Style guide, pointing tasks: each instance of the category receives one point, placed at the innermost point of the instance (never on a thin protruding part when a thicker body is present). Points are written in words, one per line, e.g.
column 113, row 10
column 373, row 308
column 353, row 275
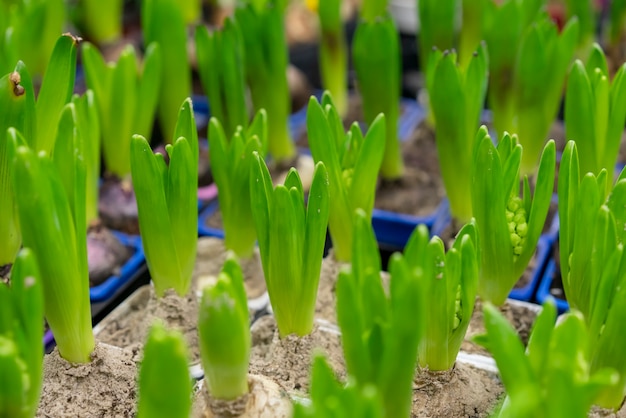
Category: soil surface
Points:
column 103, row 388
column 288, row 360
column 326, row 304
column 129, row 324
column 420, row 190
column 521, row 315
column 265, row 400
column 464, row 391
column 209, row 262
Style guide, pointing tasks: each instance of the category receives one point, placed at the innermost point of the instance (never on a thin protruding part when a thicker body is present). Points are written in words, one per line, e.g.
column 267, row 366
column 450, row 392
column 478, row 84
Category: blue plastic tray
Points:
column 110, row 286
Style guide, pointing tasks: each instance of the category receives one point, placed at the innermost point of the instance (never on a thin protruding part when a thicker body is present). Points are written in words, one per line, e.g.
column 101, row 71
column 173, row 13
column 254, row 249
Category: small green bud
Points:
column 515, row 240
column 347, row 177
column 522, row 229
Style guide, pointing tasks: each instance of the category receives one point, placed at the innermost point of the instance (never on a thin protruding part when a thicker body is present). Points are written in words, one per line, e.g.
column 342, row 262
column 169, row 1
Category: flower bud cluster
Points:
column 518, row 228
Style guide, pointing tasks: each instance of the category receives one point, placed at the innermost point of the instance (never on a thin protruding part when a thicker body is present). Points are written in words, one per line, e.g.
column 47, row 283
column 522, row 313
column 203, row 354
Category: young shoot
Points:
column 224, row 333
column 230, row 163
column 456, row 99
column 126, row 94
column 450, row 280
column 437, row 21
column 333, row 399
column 21, row 333
column 595, row 112
column 13, row 102
column 220, row 64
column 593, row 264
column 51, row 205
column 552, row 377
column 32, row 29
column 529, row 60
column 471, row 33
column 101, row 21
column 508, row 225
column 333, row 53
column 379, row 335
column 291, row 242
column 162, row 22
column 167, row 203
column 352, row 162
column 164, row 380
column 56, row 90
column 88, row 125
column 376, row 56
column 265, row 63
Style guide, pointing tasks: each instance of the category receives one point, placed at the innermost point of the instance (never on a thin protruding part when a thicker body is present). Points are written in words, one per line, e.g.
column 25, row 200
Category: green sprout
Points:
column 617, row 23
column 224, row 334
column 162, row 22
column 21, row 351
column 509, row 226
column 126, row 98
column 291, row 242
column 191, row 9
column 456, row 99
column 332, row 399
column 595, row 112
column 584, row 11
column 593, row 263
column 30, row 32
column 504, row 26
column 164, row 381
column 552, row 378
column 352, row 162
column 437, row 20
column 528, row 63
column 379, row 336
column 230, row 164
column 265, row 63
column 376, row 56
column 167, row 203
column 471, row 33
column 333, row 53
column 51, row 205
column 580, row 202
column 13, row 102
column 451, row 280
column 88, row 125
column 220, row 64
column 101, row 21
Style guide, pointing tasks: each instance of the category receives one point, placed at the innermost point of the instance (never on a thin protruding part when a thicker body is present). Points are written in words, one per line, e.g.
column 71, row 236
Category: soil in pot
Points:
column 103, row 388
column 265, row 400
column 463, row 391
column 521, row 315
column 209, row 262
column 129, row 326
column 288, row 360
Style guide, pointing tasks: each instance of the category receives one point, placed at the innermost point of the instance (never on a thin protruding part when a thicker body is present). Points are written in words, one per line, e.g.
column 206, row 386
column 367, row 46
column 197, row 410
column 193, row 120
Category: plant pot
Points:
column 107, row 289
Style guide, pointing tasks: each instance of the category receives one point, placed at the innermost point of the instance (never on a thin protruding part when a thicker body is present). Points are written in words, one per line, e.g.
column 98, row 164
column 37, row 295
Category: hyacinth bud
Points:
column 516, row 218
column 346, row 176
